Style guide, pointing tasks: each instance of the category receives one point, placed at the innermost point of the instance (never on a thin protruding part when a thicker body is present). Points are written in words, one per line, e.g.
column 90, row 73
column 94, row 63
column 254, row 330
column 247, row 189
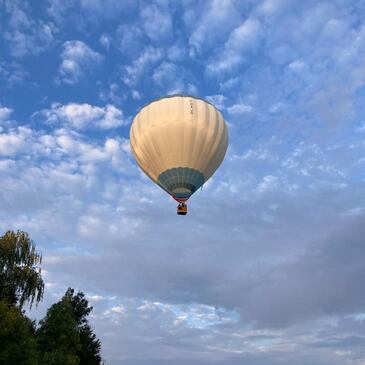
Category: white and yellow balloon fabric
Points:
column 179, row 141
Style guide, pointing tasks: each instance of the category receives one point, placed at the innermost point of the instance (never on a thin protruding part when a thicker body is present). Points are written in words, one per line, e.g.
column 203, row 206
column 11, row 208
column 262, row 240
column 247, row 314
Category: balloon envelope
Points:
column 179, row 141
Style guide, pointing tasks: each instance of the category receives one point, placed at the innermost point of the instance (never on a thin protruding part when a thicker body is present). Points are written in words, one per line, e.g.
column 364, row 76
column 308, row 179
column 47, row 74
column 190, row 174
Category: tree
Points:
column 58, row 337
column 20, row 275
column 65, row 336
column 18, row 345
column 89, row 352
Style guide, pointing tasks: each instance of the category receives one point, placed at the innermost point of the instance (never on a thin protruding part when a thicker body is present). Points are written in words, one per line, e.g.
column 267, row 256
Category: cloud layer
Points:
column 267, row 267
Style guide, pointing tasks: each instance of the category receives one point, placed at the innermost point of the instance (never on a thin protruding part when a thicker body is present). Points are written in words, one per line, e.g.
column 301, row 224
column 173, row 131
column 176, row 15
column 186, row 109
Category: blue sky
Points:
column 268, row 266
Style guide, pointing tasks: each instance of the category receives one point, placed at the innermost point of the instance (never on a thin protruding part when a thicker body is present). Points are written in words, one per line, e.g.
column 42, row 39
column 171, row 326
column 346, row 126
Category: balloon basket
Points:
column 182, row 209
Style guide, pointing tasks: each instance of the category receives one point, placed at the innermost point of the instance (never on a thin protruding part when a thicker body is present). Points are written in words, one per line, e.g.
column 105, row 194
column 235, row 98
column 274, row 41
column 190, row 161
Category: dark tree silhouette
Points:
column 65, row 336
column 17, row 340
column 20, row 274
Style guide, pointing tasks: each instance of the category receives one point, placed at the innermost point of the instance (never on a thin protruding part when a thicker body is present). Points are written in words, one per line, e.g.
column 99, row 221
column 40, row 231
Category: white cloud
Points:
column 217, row 100
column 23, row 43
column 206, row 20
column 272, row 7
column 5, row 113
column 25, row 34
column 241, row 108
column 82, row 116
column 136, row 95
column 297, row 65
column 267, row 183
column 6, row 164
column 105, row 41
column 118, row 309
column 167, row 76
column 131, row 40
column 241, row 41
column 14, row 141
column 228, row 85
column 106, row 8
column 157, row 23
column 12, row 73
column 139, row 66
column 112, row 94
column 96, row 298
column 256, row 154
column 83, row 13
column 173, row 79
column 177, row 52
column 77, row 59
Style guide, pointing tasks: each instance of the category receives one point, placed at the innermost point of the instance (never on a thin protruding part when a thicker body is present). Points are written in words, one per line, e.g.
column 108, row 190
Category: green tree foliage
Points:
column 89, row 352
column 18, row 345
column 58, row 338
column 64, row 335
column 20, row 274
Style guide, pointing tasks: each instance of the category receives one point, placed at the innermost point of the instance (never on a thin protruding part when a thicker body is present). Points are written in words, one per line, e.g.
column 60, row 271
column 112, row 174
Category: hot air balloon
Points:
column 179, row 141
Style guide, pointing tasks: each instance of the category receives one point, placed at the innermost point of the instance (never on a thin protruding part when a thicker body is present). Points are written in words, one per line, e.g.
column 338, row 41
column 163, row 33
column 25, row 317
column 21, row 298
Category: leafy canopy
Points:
column 20, row 274
column 65, row 336
column 17, row 340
